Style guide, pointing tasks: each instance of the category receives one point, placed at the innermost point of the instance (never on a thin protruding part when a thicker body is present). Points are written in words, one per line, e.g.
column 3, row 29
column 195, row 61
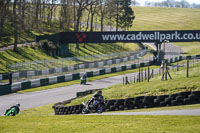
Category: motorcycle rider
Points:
column 84, row 78
column 16, row 108
column 97, row 98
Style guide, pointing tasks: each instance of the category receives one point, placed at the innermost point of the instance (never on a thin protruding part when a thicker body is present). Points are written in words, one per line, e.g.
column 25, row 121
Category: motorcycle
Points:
column 83, row 80
column 11, row 112
column 93, row 106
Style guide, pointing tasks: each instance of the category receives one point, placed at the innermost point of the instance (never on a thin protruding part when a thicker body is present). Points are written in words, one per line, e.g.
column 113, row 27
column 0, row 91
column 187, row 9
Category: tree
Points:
column 4, row 12
column 111, row 13
column 103, row 11
column 15, row 24
column 65, row 14
column 80, row 7
column 127, row 15
column 93, row 7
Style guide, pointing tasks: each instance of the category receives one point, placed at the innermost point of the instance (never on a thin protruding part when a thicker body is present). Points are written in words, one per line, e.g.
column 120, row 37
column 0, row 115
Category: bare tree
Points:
column 15, row 24
column 81, row 6
column 4, row 11
column 66, row 14
column 103, row 12
column 93, row 7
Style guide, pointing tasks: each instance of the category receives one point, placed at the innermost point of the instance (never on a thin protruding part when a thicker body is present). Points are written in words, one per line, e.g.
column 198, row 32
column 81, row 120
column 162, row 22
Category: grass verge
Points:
column 95, row 124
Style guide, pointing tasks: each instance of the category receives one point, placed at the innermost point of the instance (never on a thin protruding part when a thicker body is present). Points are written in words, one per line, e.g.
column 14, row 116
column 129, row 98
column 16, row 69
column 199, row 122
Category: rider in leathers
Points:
column 16, row 108
column 97, row 98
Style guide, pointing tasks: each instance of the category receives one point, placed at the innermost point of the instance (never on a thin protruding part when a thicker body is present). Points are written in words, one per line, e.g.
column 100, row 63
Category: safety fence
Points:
column 189, row 64
column 182, row 98
column 98, row 63
column 75, row 76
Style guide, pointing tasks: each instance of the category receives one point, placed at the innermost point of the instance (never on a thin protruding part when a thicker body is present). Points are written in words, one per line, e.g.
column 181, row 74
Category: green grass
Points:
column 158, row 18
column 26, row 54
column 42, row 119
column 99, row 124
column 189, row 48
column 102, row 48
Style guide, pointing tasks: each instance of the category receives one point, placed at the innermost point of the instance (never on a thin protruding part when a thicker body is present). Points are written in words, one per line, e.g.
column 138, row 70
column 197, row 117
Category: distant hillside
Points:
column 158, row 18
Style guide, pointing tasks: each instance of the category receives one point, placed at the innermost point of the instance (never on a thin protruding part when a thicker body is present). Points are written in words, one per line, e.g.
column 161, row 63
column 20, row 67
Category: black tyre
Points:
column 100, row 108
column 162, row 97
column 162, row 104
column 185, row 94
column 121, row 107
column 173, row 96
column 196, row 92
column 112, row 108
column 84, row 111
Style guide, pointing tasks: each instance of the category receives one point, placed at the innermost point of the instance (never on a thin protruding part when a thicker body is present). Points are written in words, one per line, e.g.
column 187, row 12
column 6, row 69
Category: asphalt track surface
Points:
column 189, row 112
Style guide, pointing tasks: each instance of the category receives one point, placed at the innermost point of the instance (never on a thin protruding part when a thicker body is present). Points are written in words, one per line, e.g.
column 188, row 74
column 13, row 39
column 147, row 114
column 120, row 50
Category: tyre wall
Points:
column 182, row 98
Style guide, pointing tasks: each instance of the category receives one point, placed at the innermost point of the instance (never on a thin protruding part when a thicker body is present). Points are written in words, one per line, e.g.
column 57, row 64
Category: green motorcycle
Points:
column 83, row 79
column 11, row 112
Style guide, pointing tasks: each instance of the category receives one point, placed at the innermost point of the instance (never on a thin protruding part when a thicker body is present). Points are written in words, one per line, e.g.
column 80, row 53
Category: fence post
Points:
column 10, row 78
column 152, row 73
column 177, row 66
column 187, row 74
column 145, row 74
column 148, row 74
column 142, row 74
column 123, row 80
column 139, row 74
column 127, row 80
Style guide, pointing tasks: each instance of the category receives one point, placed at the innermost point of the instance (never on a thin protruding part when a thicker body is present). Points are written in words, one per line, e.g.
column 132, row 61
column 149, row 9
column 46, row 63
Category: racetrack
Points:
column 39, row 98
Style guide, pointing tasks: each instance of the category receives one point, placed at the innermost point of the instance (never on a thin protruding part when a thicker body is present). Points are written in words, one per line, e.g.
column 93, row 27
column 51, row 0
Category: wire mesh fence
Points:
column 70, row 61
column 45, row 68
column 184, row 68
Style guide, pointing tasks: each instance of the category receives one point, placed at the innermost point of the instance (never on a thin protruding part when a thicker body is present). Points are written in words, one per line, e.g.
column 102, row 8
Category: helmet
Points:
column 18, row 105
column 99, row 92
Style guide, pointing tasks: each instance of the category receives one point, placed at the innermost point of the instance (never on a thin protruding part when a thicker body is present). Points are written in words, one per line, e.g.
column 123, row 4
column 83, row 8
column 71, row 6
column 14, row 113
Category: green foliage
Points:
column 126, row 15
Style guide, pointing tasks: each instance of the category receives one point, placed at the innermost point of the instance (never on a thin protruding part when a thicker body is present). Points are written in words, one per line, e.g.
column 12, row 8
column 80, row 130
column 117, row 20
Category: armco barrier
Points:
column 5, row 89
column 182, row 98
column 69, row 77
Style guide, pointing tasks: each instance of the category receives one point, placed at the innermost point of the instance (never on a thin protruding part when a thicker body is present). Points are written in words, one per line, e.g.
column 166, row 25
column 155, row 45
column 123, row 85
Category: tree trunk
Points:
column 102, row 17
column 91, row 22
column 15, row 24
column 87, row 21
column 117, row 21
column 74, row 8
